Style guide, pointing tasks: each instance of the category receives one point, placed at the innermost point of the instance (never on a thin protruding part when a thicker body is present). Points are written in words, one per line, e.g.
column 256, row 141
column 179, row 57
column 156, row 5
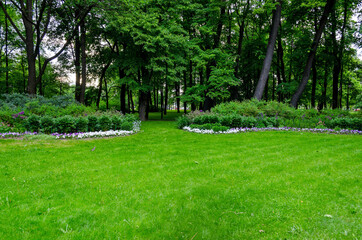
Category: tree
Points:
column 327, row 10
column 269, row 53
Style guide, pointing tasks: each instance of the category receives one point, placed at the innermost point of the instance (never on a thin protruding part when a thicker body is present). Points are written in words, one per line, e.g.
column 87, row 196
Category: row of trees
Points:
column 195, row 52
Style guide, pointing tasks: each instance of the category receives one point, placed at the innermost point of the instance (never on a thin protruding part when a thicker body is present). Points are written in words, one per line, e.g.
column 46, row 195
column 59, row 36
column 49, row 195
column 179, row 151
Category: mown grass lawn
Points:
column 164, row 183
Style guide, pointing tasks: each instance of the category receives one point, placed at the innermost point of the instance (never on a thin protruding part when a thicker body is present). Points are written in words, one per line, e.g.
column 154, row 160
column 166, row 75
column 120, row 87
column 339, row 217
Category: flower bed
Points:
column 285, row 129
column 110, row 133
column 16, row 134
column 80, row 135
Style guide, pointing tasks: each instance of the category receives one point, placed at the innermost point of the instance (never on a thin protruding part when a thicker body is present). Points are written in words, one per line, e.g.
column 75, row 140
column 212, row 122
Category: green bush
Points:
column 92, row 123
column 219, row 128
column 32, row 123
column 206, row 119
column 4, row 127
column 182, row 122
column 116, row 122
column 105, row 123
column 47, row 124
column 81, row 124
column 127, row 126
column 346, row 123
column 65, row 124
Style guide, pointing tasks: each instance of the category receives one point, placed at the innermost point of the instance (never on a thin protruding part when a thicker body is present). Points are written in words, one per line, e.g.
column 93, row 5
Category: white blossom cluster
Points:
column 109, row 133
column 288, row 129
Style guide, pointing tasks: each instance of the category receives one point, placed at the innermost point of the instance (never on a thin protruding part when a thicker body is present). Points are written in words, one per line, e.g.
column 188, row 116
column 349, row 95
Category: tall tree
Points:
column 258, row 94
column 327, row 10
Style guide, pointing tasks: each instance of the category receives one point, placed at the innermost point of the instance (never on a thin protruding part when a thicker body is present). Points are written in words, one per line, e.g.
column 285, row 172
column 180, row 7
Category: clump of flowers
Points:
column 16, row 134
column 19, row 115
column 286, row 129
column 80, row 135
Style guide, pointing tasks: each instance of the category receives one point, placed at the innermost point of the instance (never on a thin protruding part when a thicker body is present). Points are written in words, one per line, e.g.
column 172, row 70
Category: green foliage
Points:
column 346, row 123
column 219, row 128
column 127, row 126
column 207, row 118
column 47, row 124
column 92, row 123
column 65, row 124
column 81, row 124
column 358, row 104
column 105, row 123
column 183, row 121
column 32, row 123
column 4, row 127
column 116, row 122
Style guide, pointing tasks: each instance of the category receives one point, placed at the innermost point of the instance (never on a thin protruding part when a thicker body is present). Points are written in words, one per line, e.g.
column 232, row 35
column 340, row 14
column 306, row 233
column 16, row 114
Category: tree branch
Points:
column 12, row 22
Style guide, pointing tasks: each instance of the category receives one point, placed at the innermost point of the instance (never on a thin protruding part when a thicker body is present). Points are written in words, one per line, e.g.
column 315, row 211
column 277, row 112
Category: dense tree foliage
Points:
column 153, row 54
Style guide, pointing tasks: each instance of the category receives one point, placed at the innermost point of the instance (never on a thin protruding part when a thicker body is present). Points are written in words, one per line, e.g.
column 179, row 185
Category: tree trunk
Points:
column 106, row 87
column 143, row 102
column 104, row 70
column 327, row 9
column 128, row 100
column 7, row 89
column 177, row 93
column 269, row 52
column 24, row 78
column 314, row 83
column 84, row 63
column 336, row 62
column 185, row 88
column 123, row 91
column 162, row 103
column 132, row 103
column 77, row 65
column 279, row 76
column 166, row 90
column 323, row 102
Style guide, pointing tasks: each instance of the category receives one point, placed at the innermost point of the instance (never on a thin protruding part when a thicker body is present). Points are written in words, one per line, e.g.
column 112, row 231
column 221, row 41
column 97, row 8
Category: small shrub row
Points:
column 69, row 124
column 230, row 121
column 216, row 127
column 346, row 123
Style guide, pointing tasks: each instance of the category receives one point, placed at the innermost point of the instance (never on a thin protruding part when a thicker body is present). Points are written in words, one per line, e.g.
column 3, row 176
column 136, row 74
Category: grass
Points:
column 164, row 183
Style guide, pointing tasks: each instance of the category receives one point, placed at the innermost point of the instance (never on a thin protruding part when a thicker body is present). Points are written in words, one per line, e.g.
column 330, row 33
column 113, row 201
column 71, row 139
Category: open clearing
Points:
column 164, row 183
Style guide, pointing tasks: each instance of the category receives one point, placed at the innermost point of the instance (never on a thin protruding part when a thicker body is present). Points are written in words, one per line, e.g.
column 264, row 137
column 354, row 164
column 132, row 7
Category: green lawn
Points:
column 164, row 183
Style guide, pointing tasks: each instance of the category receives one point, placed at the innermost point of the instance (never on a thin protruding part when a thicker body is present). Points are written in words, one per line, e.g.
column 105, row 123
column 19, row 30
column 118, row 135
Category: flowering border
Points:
column 16, row 134
column 285, row 129
column 80, row 135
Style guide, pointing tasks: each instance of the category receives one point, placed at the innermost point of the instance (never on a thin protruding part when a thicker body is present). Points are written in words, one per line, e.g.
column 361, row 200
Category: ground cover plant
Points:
column 62, row 117
column 166, row 183
column 260, row 114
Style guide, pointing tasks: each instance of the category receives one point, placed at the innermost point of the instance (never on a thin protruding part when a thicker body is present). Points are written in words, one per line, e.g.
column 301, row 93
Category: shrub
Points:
column 127, row 126
column 344, row 123
column 32, row 123
column 219, row 128
column 226, row 120
column 81, row 124
column 65, row 124
column 277, row 109
column 206, row 119
column 116, row 122
column 183, row 121
column 47, row 124
column 92, row 123
column 105, row 123
column 4, row 127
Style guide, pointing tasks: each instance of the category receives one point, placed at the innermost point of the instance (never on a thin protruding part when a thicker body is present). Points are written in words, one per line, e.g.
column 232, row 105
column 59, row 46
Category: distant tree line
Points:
column 194, row 53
